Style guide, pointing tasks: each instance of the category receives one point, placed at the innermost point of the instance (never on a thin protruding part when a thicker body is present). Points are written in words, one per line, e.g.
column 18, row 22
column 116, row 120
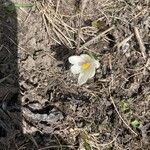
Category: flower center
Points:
column 85, row 66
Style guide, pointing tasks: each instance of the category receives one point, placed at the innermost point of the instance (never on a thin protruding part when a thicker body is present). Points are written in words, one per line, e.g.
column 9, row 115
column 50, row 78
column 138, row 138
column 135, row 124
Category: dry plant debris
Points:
column 53, row 111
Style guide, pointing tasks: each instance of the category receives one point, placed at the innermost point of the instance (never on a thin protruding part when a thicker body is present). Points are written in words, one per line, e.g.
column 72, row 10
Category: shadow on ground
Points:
column 11, row 118
column 10, row 112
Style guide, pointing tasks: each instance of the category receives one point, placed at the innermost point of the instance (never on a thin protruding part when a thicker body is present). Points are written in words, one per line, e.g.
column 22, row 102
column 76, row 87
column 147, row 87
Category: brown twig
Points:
column 95, row 39
column 140, row 41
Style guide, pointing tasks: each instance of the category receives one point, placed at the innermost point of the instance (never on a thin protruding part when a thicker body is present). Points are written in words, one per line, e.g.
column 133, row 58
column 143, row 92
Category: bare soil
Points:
column 41, row 105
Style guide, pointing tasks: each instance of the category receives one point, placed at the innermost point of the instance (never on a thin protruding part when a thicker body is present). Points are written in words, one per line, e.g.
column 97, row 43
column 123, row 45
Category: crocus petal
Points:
column 82, row 79
column 84, row 76
column 75, row 59
column 86, row 57
column 97, row 64
column 91, row 71
column 76, row 69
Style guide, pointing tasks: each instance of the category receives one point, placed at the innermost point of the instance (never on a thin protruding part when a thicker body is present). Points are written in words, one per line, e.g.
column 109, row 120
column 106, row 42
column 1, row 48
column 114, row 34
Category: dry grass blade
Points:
column 48, row 31
column 95, row 39
column 53, row 20
column 62, row 37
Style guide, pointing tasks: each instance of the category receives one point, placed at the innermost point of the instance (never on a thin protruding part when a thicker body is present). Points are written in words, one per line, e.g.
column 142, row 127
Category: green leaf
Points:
column 86, row 145
column 123, row 105
column 135, row 123
column 84, row 138
column 23, row 5
column 12, row 7
column 98, row 24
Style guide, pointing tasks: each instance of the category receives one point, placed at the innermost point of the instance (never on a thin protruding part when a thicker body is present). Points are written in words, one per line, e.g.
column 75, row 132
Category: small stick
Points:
column 148, row 64
column 124, row 41
column 79, row 31
column 57, row 7
column 95, row 39
column 110, row 66
column 140, row 41
column 84, row 4
column 121, row 116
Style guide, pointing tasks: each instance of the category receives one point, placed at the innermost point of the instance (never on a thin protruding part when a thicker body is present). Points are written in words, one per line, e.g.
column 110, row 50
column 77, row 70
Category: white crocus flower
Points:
column 85, row 66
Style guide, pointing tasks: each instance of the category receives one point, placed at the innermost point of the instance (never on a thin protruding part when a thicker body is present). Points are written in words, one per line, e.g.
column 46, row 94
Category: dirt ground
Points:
column 41, row 105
